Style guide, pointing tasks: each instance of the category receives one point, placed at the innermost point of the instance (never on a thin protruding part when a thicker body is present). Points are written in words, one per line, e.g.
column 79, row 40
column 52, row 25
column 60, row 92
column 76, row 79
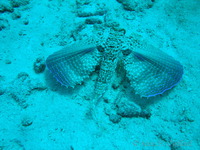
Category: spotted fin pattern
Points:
column 151, row 71
column 71, row 65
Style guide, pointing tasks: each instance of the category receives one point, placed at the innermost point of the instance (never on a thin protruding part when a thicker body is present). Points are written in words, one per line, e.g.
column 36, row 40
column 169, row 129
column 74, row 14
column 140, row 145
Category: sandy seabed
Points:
column 37, row 113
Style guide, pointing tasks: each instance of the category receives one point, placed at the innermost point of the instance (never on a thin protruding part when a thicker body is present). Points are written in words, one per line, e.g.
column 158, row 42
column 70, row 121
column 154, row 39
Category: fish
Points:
column 149, row 70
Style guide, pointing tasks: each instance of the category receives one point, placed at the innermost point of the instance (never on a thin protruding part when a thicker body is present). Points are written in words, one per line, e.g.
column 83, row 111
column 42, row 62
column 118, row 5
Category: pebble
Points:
column 135, row 5
column 25, row 22
column 3, row 24
column 18, row 3
column 2, row 91
column 83, row 2
column 128, row 110
column 89, row 13
column 5, row 6
column 115, row 118
column 7, row 61
column 22, row 76
column 26, row 122
column 93, row 21
column 16, row 15
column 39, row 65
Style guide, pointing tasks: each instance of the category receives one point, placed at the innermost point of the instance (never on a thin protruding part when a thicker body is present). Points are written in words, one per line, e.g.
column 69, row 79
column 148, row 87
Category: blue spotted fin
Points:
column 152, row 72
column 72, row 64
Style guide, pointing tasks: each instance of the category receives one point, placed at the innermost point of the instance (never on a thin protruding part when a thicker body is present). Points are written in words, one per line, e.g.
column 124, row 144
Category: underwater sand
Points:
column 37, row 113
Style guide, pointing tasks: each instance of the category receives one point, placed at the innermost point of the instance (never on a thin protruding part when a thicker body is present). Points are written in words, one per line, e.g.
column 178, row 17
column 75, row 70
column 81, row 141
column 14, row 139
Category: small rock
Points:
column 7, row 61
column 19, row 99
column 83, row 2
column 90, row 12
column 145, row 114
column 18, row 3
column 164, row 136
column 84, row 14
column 39, row 65
column 42, row 43
column 3, row 24
column 87, row 97
column 25, row 22
column 129, row 109
column 22, row 33
column 39, row 87
column 5, row 6
column 22, row 76
column 93, row 21
column 2, row 91
column 16, row 15
column 26, row 122
column 175, row 146
column 115, row 118
column 136, row 5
